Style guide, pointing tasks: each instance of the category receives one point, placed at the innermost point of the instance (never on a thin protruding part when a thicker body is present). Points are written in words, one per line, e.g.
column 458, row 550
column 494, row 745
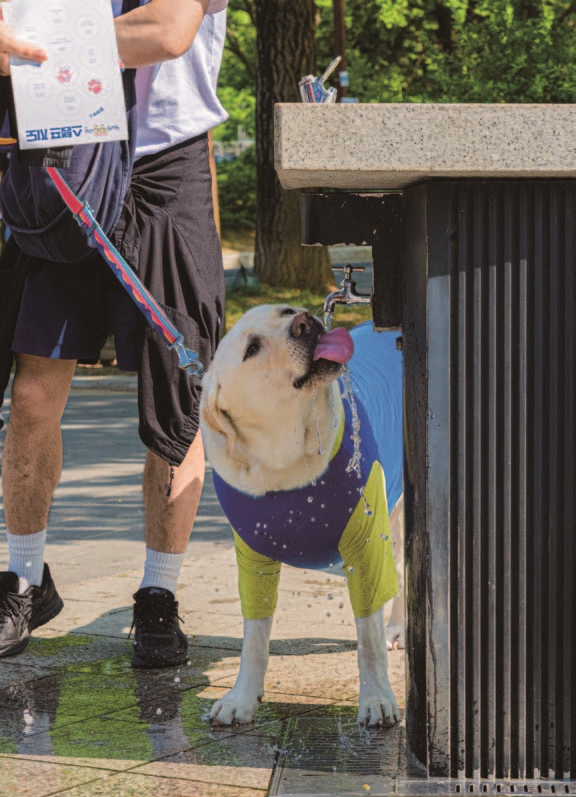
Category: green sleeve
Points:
column 366, row 549
column 258, row 578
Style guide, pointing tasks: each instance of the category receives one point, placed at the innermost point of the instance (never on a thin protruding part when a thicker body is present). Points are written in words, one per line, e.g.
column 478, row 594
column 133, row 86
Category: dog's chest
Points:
column 300, row 527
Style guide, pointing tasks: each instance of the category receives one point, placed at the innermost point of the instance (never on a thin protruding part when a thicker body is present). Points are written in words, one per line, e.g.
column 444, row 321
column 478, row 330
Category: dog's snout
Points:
column 302, row 324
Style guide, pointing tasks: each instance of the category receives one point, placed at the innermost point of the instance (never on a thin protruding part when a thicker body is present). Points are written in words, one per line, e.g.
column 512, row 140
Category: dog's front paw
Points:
column 234, row 708
column 378, row 707
column 395, row 637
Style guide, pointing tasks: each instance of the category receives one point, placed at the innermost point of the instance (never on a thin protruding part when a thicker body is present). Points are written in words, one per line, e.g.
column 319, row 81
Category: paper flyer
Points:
column 76, row 96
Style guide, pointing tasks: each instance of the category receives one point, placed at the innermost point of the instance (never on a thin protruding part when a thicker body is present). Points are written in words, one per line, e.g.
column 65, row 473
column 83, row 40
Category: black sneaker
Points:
column 158, row 639
column 21, row 614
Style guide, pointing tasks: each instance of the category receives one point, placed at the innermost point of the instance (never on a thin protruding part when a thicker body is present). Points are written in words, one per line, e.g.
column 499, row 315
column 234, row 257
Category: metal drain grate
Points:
column 507, row 787
column 333, row 756
column 503, row 788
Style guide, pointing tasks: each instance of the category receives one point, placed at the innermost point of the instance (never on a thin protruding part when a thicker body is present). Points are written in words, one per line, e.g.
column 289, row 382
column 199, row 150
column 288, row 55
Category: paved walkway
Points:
column 76, row 720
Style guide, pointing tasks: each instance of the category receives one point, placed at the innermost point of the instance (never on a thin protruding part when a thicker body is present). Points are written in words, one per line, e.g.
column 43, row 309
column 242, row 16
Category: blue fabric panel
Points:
column 377, row 373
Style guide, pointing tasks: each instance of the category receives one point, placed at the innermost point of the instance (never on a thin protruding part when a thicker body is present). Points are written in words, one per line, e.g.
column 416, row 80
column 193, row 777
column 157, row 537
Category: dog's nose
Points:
column 302, row 324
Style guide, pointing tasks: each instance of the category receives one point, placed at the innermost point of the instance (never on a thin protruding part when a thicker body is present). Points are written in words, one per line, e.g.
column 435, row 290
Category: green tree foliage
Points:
column 510, row 51
column 410, row 51
column 237, row 81
column 456, row 50
column 424, row 51
column 237, row 192
column 241, row 107
column 237, row 93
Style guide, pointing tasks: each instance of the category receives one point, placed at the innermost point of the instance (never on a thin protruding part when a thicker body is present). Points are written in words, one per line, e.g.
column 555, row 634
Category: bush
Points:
column 237, row 192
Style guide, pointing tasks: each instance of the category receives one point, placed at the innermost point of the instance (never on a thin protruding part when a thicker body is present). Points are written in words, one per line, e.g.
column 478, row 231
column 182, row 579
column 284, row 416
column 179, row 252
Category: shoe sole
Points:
column 50, row 611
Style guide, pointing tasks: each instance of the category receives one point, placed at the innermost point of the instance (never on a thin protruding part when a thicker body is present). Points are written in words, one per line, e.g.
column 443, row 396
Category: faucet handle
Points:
column 348, row 268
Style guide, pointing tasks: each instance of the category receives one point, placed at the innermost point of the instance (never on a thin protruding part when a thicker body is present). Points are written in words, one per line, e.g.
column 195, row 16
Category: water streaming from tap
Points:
column 316, row 418
column 354, row 463
column 348, row 395
column 333, row 407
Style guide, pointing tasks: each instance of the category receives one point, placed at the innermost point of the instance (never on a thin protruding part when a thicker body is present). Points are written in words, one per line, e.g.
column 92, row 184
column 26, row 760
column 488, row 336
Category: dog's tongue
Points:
column 336, row 345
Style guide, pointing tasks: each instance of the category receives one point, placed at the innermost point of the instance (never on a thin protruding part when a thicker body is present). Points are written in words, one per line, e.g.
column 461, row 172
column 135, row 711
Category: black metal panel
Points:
column 417, row 542
column 489, row 349
column 362, row 220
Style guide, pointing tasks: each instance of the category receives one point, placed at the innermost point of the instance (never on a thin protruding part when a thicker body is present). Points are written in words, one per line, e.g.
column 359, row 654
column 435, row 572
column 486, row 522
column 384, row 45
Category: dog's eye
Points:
column 288, row 311
column 253, row 348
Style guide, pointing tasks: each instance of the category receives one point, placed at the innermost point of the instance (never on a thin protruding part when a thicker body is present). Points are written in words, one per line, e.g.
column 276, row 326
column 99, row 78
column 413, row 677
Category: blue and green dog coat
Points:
column 332, row 522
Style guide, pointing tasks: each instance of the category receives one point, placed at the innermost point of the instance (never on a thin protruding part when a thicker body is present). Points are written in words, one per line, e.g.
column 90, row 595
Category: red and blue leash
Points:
column 146, row 303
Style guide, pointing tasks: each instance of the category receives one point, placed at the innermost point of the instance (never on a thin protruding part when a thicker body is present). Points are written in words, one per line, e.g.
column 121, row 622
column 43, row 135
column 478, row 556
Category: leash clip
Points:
column 86, row 219
column 187, row 359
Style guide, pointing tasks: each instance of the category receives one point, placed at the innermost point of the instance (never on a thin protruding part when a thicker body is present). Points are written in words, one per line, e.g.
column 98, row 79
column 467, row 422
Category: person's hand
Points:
column 10, row 45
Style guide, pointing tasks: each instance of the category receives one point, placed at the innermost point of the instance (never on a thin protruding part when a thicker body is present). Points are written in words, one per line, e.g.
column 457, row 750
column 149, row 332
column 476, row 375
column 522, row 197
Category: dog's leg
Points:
column 396, row 628
column 377, row 704
column 241, row 702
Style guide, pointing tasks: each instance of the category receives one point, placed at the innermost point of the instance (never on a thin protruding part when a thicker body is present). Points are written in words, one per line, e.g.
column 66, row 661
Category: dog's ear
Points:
column 217, row 419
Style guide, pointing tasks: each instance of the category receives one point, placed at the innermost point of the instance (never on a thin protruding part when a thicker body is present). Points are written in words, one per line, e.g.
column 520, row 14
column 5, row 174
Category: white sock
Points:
column 27, row 557
column 162, row 569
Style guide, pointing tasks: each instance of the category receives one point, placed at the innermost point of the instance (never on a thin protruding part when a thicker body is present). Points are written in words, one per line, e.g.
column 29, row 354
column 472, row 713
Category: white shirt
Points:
column 176, row 100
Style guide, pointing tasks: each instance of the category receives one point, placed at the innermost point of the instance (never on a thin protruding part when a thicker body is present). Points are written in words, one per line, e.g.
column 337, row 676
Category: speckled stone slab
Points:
column 391, row 146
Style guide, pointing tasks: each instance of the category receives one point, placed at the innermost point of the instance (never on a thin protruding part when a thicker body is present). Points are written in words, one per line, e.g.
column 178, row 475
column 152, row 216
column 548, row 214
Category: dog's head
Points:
column 270, row 361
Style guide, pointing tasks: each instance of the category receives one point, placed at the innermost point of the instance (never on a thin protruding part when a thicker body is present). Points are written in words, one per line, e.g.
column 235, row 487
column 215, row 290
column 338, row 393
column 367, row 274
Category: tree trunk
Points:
column 286, row 45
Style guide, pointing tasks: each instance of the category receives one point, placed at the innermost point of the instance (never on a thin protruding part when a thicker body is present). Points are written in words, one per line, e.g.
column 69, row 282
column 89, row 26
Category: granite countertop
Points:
column 391, row 146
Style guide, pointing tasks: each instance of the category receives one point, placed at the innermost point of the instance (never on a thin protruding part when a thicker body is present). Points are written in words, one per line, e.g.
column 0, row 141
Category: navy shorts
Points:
column 68, row 311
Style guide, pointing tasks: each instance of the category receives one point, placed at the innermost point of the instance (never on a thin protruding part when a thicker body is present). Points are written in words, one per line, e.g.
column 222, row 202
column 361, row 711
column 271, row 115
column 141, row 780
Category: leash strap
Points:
column 146, row 303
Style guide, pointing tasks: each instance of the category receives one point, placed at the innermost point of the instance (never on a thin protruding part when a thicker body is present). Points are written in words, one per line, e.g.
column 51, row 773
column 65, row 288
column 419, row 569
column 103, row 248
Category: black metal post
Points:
column 490, row 359
column 482, row 277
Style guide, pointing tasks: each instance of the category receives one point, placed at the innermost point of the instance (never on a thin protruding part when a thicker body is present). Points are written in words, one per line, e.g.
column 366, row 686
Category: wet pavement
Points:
column 76, row 720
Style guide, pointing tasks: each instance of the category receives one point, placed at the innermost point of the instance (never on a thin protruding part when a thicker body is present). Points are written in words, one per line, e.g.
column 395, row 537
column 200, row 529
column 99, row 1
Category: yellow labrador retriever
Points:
column 306, row 466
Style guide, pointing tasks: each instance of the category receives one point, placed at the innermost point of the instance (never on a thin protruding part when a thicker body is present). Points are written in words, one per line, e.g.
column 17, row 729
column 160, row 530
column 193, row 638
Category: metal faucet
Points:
column 347, row 294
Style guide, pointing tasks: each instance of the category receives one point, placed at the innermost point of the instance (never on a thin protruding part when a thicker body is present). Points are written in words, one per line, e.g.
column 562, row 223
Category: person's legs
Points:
column 31, row 467
column 63, row 318
column 169, row 518
column 32, row 458
column 167, row 233
column 171, row 498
